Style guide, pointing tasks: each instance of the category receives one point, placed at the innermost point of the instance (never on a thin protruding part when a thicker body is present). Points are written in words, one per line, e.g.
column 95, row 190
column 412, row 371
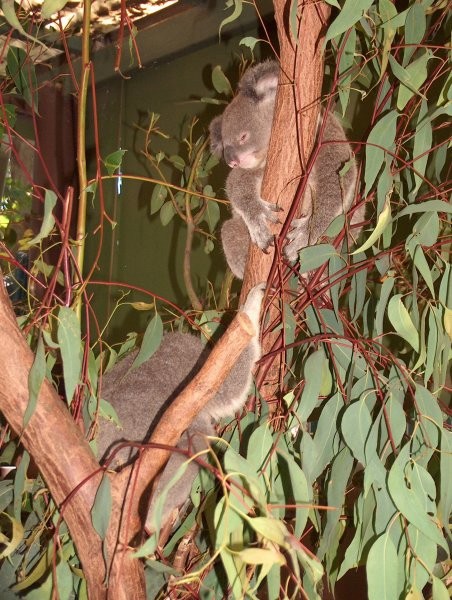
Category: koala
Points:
column 241, row 135
column 140, row 396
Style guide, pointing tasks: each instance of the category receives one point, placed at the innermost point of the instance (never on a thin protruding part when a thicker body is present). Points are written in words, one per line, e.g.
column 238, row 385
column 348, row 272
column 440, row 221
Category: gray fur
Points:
column 141, row 395
column 241, row 135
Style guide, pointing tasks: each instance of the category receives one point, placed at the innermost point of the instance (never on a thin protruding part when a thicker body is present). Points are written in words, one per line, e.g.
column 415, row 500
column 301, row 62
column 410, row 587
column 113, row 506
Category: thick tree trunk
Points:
column 293, row 136
column 56, row 445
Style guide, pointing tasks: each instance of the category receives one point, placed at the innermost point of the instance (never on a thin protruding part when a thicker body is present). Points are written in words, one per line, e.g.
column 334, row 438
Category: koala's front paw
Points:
column 259, row 230
column 298, row 237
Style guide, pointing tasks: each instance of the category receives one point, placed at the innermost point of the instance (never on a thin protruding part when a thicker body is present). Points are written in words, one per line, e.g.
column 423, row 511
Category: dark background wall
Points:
column 139, row 250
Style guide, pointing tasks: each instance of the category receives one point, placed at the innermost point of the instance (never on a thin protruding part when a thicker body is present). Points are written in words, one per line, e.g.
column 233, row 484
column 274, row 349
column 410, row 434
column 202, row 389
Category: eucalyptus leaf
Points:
column 69, row 340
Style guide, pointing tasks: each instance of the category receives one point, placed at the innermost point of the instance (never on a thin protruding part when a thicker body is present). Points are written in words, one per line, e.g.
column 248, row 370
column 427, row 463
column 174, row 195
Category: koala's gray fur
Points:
column 241, row 135
column 141, row 395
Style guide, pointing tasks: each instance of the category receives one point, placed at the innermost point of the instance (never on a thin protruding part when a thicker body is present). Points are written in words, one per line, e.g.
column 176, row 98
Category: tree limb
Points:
column 55, row 443
column 293, row 135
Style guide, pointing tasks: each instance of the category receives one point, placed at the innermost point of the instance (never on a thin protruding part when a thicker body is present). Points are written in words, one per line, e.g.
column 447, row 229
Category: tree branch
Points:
column 55, row 443
column 134, row 483
column 293, row 135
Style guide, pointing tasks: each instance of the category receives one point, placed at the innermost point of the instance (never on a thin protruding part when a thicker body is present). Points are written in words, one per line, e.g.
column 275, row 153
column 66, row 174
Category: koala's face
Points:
column 242, row 133
column 245, row 133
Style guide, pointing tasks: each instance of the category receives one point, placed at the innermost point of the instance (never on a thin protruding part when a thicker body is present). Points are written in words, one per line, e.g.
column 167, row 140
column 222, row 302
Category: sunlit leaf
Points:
column 17, row 536
column 52, row 6
column 383, row 219
column 402, row 322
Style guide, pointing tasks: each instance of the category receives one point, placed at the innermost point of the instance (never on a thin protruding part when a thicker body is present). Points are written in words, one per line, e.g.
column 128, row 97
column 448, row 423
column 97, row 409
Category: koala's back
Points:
column 141, row 395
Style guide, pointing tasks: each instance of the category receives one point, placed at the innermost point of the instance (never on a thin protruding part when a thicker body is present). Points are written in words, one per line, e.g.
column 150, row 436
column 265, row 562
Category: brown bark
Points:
column 56, row 445
column 293, row 136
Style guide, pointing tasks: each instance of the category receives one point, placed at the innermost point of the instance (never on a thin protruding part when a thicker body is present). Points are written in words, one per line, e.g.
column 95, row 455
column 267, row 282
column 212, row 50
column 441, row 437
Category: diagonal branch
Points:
column 134, row 482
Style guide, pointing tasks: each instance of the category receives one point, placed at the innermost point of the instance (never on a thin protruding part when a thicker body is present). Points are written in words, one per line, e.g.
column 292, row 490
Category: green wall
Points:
column 139, row 250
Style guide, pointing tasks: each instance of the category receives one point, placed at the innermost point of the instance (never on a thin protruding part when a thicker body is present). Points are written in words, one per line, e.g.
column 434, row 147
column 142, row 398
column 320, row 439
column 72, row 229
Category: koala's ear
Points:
column 261, row 81
column 216, row 139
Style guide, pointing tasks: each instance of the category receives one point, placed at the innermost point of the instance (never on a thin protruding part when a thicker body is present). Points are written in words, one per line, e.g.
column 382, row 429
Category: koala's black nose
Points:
column 230, row 156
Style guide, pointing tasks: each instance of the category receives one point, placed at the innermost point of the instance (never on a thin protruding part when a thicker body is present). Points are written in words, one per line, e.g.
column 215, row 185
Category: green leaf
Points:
column 158, row 197
column 326, row 440
column 212, row 215
column 300, row 491
column 21, row 71
column 36, row 378
column 270, row 529
column 439, row 590
column 69, row 340
column 219, row 80
column 337, row 483
column 313, row 257
column 10, row 15
column 415, row 24
column 313, row 372
column 17, row 536
column 347, row 60
column 401, row 321
column 151, row 341
column 167, row 212
column 293, row 20
column 101, row 510
column 387, row 12
column 233, row 16
column 422, row 207
column 48, row 220
column 385, row 292
column 411, row 78
column 114, row 161
column 383, row 219
column 261, row 556
column 260, row 446
column 355, row 426
column 380, row 139
column 250, row 42
column 351, row 13
column 49, row 7
column 177, row 161
column 422, row 144
column 406, row 500
column 422, row 266
column 381, row 569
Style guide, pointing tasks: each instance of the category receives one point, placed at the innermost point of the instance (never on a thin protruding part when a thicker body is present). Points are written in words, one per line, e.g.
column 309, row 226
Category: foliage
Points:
column 352, row 467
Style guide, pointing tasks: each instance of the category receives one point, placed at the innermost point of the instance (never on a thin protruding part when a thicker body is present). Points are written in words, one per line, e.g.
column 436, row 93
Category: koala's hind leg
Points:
column 233, row 393
column 194, row 440
column 235, row 239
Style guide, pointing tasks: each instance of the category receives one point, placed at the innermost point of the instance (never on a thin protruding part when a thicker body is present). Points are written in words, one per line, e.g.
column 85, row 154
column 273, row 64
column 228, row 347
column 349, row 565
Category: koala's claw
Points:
column 298, row 237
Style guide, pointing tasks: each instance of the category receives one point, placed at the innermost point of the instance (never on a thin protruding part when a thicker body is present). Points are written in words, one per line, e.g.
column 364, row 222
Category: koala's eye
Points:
column 244, row 137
